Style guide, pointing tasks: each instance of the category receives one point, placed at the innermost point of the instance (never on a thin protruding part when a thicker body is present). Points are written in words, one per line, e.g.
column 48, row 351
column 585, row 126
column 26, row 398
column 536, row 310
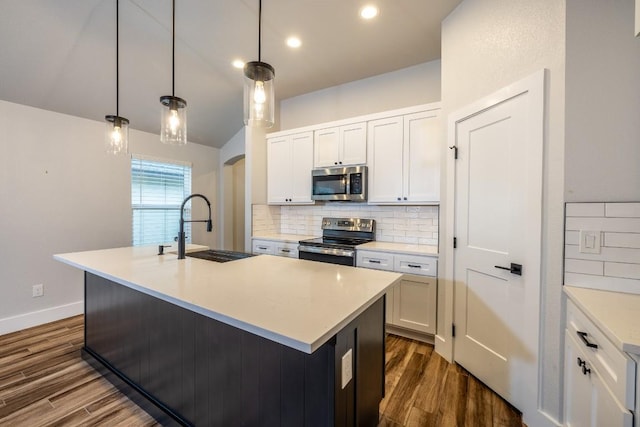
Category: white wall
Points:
column 233, row 150
column 60, row 192
column 486, row 45
column 602, row 149
column 419, row 84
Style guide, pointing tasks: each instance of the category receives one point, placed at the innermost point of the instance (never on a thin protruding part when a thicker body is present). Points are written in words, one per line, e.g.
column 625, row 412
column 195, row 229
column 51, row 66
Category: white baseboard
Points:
column 35, row 318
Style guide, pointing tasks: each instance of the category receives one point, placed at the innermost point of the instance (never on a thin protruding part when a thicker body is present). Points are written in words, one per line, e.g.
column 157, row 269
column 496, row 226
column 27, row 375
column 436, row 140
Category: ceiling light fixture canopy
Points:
column 259, row 97
column 173, row 128
column 117, row 128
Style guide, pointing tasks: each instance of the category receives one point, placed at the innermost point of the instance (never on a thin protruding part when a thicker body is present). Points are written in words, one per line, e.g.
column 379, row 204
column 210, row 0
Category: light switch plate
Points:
column 590, row 242
column 347, row 368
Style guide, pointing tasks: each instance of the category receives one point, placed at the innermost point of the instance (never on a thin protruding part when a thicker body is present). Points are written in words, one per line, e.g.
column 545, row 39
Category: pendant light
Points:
column 259, row 97
column 117, row 128
column 174, row 110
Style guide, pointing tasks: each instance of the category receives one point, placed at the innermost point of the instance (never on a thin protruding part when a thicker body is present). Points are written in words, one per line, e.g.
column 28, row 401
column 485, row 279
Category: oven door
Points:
column 328, row 255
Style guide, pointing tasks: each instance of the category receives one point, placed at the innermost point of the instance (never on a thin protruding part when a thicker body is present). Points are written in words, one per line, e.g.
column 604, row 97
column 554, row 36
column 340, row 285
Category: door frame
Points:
column 445, row 343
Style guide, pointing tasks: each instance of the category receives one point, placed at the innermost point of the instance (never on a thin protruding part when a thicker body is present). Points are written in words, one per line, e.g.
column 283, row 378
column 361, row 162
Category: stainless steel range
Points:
column 340, row 236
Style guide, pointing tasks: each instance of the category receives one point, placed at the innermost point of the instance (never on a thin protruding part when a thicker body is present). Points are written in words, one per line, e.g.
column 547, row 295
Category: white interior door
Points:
column 498, row 208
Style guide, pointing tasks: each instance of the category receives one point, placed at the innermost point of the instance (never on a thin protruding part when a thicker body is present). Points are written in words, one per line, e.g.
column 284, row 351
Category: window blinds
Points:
column 157, row 191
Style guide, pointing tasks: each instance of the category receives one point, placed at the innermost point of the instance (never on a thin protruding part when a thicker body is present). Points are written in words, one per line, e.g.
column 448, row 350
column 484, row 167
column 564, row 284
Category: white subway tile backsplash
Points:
column 617, row 266
column 622, row 240
column 622, row 210
column 585, row 209
column 584, row 267
column 401, row 224
column 623, row 270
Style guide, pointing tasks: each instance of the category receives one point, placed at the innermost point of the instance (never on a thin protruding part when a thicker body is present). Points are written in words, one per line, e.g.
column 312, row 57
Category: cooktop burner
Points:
column 334, row 242
column 343, row 233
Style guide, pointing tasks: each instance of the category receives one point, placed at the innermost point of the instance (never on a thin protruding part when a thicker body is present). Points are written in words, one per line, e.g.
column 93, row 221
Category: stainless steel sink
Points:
column 219, row 255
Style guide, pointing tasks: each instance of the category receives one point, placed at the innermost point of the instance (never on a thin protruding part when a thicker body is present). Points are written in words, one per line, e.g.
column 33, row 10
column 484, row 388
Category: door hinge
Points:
column 455, row 243
column 453, row 330
column 455, row 151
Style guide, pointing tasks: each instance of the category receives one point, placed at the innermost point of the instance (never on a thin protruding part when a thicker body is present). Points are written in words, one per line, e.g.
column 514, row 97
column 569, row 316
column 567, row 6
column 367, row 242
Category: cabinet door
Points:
column 422, row 141
column 414, row 303
column 278, row 170
column 353, row 144
column 325, row 147
column 384, row 155
column 588, row 400
column 301, row 166
column 577, row 387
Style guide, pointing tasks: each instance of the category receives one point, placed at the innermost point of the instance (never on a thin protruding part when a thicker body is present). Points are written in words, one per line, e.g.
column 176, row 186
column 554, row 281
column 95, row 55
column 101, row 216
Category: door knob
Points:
column 514, row 269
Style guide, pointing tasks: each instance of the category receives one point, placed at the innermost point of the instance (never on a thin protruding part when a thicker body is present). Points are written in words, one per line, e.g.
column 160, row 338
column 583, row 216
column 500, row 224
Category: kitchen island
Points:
column 257, row 341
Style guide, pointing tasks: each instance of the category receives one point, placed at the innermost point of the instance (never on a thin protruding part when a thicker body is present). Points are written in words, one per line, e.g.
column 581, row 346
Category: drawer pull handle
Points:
column 414, row 266
column 264, row 248
column 285, row 250
column 374, row 261
column 585, row 370
column 581, row 362
column 583, row 337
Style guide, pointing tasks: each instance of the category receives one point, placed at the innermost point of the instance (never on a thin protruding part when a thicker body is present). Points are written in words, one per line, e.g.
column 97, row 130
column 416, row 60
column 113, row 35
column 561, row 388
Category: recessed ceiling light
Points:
column 294, row 42
column 238, row 63
column 369, row 12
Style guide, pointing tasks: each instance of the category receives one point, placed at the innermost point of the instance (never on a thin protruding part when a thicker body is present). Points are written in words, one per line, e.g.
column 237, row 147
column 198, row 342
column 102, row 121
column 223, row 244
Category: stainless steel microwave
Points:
column 348, row 184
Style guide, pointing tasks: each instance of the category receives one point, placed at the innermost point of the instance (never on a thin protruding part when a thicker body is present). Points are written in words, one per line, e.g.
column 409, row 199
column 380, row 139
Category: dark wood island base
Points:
column 188, row 369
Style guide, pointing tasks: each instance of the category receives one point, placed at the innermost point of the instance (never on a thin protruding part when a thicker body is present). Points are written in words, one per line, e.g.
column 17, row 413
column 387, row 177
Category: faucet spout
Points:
column 181, row 235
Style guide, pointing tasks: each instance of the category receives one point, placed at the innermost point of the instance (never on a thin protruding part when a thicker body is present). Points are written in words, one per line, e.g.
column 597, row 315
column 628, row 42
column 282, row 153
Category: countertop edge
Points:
column 626, row 347
column 306, row 347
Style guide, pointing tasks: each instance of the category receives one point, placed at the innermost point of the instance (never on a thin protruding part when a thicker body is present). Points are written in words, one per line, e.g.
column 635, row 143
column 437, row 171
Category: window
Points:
column 157, row 190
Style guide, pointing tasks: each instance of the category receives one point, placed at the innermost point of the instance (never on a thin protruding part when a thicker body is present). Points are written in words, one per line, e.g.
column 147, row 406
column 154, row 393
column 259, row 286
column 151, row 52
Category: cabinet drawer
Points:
column 287, row 250
column 375, row 260
column 616, row 369
column 262, row 247
column 419, row 265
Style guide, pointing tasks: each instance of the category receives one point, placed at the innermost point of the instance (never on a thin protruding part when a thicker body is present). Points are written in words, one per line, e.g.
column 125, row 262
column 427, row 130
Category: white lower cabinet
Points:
column 273, row 247
column 411, row 304
column 599, row 379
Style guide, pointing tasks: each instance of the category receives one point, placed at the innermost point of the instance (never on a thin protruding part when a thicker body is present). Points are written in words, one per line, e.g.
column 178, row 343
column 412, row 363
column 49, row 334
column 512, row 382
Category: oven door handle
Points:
column 326, row 251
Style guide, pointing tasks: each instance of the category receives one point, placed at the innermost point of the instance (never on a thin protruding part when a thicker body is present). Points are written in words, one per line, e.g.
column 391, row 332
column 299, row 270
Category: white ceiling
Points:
column 60, row 54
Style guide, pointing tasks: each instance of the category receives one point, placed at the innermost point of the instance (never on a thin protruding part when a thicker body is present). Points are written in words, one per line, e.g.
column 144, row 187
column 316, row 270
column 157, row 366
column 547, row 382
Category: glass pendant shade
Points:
column 259, row 97
column 116, row 135
column 173, row 122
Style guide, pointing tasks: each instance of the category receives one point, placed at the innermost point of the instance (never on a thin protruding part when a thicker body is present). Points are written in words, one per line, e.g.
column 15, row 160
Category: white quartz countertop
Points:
column 404, row 248
column 278, row 237
column 617, row 314
column 297, row 303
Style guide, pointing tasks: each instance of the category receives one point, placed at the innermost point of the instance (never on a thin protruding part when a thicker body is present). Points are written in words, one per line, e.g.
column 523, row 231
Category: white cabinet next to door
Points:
column 340, row 146
column 599, row 379
column 412, row 302
column 289, row 164
column 403, row 155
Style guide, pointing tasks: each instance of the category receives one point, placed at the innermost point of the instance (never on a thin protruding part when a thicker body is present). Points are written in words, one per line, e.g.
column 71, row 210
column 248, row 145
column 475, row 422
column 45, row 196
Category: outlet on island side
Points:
column 37, row 290
column 347, row 368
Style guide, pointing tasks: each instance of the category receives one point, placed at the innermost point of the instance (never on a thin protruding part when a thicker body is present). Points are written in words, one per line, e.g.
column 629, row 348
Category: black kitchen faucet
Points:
column 181, row 236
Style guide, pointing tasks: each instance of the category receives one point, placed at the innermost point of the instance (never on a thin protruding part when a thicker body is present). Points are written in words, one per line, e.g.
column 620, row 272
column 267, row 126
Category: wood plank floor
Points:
column 45, row 382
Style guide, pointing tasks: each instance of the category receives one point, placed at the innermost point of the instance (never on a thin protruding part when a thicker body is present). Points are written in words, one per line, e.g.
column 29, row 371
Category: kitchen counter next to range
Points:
column 616, row 314
column 401, row 248
column 300, row 304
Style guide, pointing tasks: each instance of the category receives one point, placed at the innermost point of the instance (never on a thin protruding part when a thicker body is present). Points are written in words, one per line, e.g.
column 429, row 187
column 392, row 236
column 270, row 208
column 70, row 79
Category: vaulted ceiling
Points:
column 59, row 55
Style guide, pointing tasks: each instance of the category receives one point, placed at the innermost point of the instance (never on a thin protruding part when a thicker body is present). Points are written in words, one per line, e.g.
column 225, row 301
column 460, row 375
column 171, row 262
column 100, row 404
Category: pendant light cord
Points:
column 117, row 58
column 259, row 30
column 173, row 51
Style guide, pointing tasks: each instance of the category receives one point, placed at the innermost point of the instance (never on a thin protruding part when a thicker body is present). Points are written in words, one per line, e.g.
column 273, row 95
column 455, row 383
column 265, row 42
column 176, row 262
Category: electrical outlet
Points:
column 37, row 290
column 589, row 242
column 347, row 368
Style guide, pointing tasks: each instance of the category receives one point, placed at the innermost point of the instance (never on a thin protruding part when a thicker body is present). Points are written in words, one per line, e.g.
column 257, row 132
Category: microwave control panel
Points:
column 356, row 183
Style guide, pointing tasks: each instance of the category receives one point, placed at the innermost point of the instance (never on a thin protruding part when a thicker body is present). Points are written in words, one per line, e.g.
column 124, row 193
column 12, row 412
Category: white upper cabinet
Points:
column 403, row 155
column 289, row 164
column 340, row 146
